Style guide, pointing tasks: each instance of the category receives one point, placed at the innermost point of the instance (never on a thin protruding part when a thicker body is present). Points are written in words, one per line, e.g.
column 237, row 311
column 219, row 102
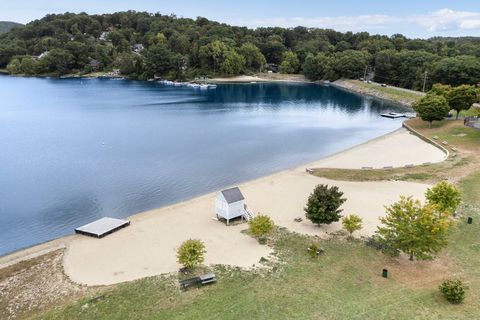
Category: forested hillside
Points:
column 6, row 26
column 143, row 45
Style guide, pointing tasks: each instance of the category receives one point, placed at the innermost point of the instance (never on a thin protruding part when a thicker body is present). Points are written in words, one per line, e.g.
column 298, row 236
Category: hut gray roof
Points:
column 232, row 195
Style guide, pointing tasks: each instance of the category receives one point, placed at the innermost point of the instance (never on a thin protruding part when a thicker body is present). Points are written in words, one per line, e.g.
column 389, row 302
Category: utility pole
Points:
column 365, row 74
column 424, row 81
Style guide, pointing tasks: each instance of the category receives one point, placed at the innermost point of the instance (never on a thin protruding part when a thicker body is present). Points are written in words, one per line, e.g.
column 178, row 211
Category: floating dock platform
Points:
column 102, row 227
column 395, row 115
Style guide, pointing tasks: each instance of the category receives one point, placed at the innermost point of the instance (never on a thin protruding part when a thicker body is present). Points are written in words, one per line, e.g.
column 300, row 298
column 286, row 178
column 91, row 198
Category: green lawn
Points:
column 392, row 92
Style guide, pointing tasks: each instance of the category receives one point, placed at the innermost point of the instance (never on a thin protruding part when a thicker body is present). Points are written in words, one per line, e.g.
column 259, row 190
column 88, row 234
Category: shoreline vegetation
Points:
column 143, row 46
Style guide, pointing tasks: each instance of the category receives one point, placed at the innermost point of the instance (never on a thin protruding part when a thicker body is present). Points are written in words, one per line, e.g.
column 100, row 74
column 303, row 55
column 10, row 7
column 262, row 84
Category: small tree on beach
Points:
column 445, row 196
column 191, row 253
column 419, row 231
column 352, row 223
column 261, row 225
column 432, row 107
column 323, row 205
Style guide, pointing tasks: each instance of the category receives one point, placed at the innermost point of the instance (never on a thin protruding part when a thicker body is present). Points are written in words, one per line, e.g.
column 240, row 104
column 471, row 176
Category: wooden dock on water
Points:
column 395, row 115
column 102, row 227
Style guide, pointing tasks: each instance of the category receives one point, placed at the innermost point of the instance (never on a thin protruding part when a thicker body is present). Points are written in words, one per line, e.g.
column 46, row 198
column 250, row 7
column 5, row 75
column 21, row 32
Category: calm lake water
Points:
column 74, row 150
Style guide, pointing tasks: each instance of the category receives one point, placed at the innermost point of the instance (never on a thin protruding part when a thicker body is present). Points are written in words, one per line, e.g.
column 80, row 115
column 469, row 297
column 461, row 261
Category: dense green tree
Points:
column 440, row 89
column 461, row 98
column 57, row 61
column 212, row 55
column 28, row 65
column 316, row 67
column 419, row 231
column 79, row 51
column 350, row 64
column 130, row 64
column 273, row 51
column 159, row 60
column 290, row 63
column 445, row 196
column 323, row 205
column 457, row 70
column 232, row 63
column 14, row 67
column 432, row 107
column 254, row 59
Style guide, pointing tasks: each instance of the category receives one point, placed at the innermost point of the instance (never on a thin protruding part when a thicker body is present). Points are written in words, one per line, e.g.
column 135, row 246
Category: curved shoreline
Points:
column 167, row 213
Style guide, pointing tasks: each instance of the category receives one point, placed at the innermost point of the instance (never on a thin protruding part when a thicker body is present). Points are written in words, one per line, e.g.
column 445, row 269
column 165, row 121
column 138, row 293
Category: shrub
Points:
column 453, row 290
column 191, row 253
column 352, row 223
column 323, row 204
column 260, row 226
column 314, row 250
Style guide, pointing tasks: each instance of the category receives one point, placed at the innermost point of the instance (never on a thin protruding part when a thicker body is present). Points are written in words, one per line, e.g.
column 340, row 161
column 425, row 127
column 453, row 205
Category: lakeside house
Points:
column 94, row 64
column 230, row 204
column 275, row 68
column 137, row 47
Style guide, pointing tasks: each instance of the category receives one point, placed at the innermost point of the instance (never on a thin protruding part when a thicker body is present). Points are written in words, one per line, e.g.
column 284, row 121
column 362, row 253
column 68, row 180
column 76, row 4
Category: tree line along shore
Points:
column 142, row 45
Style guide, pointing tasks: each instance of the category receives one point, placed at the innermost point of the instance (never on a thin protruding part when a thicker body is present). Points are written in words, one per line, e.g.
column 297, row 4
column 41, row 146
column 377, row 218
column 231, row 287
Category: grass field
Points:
column 393, row 92
column 343, row 283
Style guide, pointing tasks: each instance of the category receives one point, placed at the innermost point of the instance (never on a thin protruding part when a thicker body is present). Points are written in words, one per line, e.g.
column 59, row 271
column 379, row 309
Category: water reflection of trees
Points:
column 274, row 96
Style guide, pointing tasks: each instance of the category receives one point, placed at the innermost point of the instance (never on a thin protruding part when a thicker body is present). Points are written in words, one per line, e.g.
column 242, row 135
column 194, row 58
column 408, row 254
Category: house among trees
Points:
column 94, row 65
column 137, row 47
column 103, row 36
column 42, row 55
column 230, row 204
column 275, row 68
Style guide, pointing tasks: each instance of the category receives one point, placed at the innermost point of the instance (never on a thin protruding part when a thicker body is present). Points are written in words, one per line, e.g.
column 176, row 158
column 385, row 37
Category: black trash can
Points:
column 385, row 273
column 469, row 220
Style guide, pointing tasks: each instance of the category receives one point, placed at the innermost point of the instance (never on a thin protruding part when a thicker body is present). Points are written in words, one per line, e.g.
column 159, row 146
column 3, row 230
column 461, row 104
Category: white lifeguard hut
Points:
column 230, row 204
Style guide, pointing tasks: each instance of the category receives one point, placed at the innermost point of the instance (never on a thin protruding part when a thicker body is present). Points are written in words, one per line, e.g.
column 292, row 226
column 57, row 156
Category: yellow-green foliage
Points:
column 352, row 223
column 445, row 196
column 420, row 231
column 191, row 253
column 260, row 225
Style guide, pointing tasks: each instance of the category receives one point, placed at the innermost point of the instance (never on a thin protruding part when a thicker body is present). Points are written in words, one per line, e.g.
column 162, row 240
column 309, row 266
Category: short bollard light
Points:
column 469, row 220
column 385, row 273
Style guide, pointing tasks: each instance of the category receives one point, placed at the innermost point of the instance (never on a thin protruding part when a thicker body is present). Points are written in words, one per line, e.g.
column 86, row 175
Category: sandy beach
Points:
column 262, row 77
column 148, row 246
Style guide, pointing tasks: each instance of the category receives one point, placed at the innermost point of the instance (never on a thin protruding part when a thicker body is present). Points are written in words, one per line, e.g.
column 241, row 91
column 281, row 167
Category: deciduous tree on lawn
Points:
column 323, row 205
column 445, row 196
column 432, row 107
column 461, row 98
column 419, row 231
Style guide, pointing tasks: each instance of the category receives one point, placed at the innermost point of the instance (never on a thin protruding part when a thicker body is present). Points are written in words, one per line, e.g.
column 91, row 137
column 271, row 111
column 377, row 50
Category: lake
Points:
column 75, row 150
